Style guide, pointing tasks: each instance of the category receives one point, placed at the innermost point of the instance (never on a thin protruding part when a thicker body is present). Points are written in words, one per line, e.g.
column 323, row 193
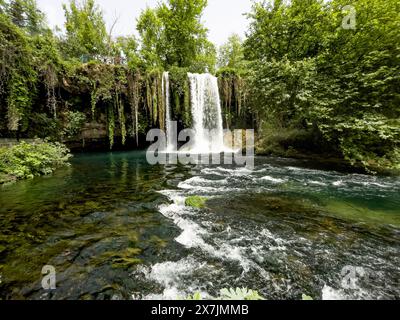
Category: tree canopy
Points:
column 86, row 33
column 173, row 35
column 310, row 72
column 231, row 54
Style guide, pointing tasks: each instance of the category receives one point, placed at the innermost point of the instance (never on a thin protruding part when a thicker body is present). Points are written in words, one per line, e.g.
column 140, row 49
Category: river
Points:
column 115, row 227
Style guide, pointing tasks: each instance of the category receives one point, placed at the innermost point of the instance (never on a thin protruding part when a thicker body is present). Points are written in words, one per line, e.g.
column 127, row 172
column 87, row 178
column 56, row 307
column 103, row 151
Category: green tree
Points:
column 2, row 6
column 185, row 37
column 29, row 58
column 340, row 84
column 127, row 48
column 25, row 14
column 86, row 34
column 150, row 30
column 206, row 58
column 173, row 35
column 231, row 54
column 18, row 76
column 279, row 29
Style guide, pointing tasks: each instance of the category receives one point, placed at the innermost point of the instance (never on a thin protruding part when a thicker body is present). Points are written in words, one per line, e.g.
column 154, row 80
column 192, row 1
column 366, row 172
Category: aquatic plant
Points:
column 239, row 294
column 231, row 294
column 195, row 202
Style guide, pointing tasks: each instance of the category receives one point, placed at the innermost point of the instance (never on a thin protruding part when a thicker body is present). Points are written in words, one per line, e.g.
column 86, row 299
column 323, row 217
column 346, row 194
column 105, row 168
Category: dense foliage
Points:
column 58, row 87
column 338, row 85
column 312, row 76
column 27, row 160
column 86, row 35
column 174, row 36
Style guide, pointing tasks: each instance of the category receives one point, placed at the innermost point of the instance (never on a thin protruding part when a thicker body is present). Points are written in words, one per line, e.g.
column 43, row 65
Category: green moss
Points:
column 180, row 90
column 196, row 202
column 157, row 242
column 187, row 116
column 111, row 125
column 126, row 258
column 125, row 263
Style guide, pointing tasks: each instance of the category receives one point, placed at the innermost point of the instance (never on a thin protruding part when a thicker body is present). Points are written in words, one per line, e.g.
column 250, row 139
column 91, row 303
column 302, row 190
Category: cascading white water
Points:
column 168, row 120
column 206, row 114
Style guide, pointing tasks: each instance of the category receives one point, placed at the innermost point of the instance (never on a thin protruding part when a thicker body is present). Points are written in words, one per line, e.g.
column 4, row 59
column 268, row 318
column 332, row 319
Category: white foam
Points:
column 279, row 241
column 318, row 183
column 242, row 171
column 169, row 274
column 329, row 293
column 272, row 179
column 278, row 248
column 358, row 293
column 192, row 235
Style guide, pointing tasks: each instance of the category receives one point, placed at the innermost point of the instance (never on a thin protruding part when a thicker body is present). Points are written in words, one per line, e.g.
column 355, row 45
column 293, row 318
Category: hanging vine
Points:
column 50, row 82
column 121, row 115
column 120, row 85
column 180, row 89
column 149, row 100
column 134, row 84
column 111, row 124
column 94, row 98
column 233, row 96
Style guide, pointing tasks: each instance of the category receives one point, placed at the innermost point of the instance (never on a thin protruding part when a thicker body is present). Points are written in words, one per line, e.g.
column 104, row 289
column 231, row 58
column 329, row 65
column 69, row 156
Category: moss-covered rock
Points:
column 196, row 202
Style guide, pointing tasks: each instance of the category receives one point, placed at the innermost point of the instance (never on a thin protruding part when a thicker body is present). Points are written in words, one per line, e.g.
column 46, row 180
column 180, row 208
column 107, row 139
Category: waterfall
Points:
column 168, row 123
column 206, row 113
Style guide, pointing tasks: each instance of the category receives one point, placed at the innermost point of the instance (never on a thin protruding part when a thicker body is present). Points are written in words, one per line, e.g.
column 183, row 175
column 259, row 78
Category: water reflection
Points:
column 114, row 227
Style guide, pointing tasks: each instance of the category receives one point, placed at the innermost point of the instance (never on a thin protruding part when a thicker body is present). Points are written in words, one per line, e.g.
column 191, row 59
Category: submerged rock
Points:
column 196, row 202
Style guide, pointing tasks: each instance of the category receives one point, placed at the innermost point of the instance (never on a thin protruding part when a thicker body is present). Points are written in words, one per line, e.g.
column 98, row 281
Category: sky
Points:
column 221, row 17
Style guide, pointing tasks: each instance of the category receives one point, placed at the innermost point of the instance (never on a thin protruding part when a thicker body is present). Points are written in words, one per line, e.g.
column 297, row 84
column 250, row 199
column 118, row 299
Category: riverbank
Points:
column 27, row 160
column 308, row 146
column 330, row 162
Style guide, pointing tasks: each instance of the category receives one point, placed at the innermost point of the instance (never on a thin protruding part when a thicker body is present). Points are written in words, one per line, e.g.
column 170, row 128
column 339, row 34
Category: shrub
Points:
column 74, row 122
column 27, row 160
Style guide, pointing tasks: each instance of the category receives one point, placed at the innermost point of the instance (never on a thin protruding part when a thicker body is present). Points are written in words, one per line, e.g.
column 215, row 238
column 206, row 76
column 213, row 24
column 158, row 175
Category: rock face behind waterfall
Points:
column 206, row 113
